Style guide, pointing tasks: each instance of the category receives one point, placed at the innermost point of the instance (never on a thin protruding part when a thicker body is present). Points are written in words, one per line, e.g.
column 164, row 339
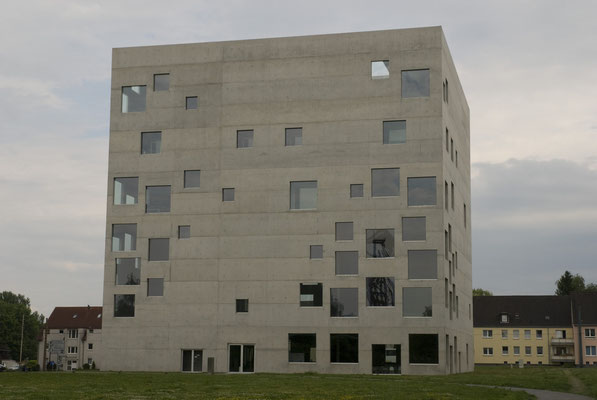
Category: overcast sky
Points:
column 528, row 68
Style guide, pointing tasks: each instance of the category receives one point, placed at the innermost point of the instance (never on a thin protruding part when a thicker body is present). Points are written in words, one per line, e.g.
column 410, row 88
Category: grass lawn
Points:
column 131, row 385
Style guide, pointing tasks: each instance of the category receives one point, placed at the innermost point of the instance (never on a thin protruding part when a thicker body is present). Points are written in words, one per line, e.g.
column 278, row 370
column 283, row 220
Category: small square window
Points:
column 356, row 190
column 184, row 231
column 157, row 199
column 385, row 182
column 133, row 98
column 124, row 305
column 242, row 305
column 161, row 82
column 124, row 237
column 159, row 249
column 228, row 194
column 344, row 231
column 413, row 228
column 394, row 132
column 244, row 138
column 294, row 136
column 380, row 243
column 311, row 295
column 422, row 264
column 303, row 195
column 192, row 103
column 155, row 286
column 344, row 302
column 347, row 262
column 380, row 69
column 192, row 178
column 380, row 292
column 415, row 83
column 126, row 190
column 422, row 191
column 151, row 142
column 315, row 251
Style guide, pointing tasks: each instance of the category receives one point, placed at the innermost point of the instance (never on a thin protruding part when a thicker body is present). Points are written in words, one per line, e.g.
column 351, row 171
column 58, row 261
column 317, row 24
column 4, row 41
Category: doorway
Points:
column 386, row 358
column 241, row 358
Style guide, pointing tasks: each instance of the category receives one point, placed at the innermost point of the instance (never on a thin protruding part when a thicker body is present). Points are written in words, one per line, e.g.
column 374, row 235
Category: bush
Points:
column 32, row 365
column 86, row 366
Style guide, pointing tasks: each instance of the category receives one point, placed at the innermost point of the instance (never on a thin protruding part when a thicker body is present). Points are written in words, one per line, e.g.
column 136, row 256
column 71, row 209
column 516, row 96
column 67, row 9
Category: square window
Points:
column 155, row 286
column 311, row 294
column 128, row 271
column 228, row 194
column 124, row 237
column 151, row 142
column 394, row 132
column 344, row 348
column 192, row 103
column 133, row 98
column 344, row 302
column 347, row 262
column 416, row 302
column 244, row 138
column 423, row 349
column 356, row 190
column 380, row 243
column 124, row 305
column 380, row 292
column 385, row 182
column 294, row 136
column 380, row 69
column 315, row 251
column 415, row 83
column 421, row 191
column 422, row 264
column 157, row 199
column 159, row 249
column 413, row 228
column 302, row 347
column 242, row 305
column 516, row 350
column 344, row 231
column 303, row 195
column 126, row 190
column 184, row 231
column 161, row 82
column 192, row 178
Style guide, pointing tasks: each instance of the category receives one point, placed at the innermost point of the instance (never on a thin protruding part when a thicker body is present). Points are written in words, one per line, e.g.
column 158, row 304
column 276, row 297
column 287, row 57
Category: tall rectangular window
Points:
column 423, row 349
column 192, row 178
column 347, row 262
column 344, row 348
column 452, row 193
column 380, row 69
column 344, row 302
column 421, row 191
column 385, row 182
column 128, row 271
column 124, row 305
column 446, row 196
column 244, row 138
column 124, row 237
column 293, row 136
column 311, row 295
column 161, row 82
column 159, row 249
column 464, row 214
column 151, row 142
column 527, row 350
column 394, row 132
column 515, row 334
column 527, row 333
column 417, row 302
column 133, row 98
column 157, row 199
column 303, row 195
column 380, row 243
column 126, row 190
column 192, row 360
column 590, row 332
column 344, row 231
column 422, row 264
column 516, row 350
column 380, row 292
column 155, row 286
column 452, row 149
column 415, row 83
column 414, row 228
column 302, row 347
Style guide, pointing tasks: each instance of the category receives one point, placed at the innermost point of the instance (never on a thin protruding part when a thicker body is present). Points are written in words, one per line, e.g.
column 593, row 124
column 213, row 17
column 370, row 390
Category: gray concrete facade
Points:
column 256, row 247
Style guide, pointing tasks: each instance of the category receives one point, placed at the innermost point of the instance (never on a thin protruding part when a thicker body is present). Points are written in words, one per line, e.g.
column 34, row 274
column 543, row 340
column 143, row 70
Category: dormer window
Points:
column 504, row 319
column 75, row 316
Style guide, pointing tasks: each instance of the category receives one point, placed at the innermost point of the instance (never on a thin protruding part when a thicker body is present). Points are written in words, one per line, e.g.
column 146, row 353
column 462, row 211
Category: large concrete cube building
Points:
column 289, row 205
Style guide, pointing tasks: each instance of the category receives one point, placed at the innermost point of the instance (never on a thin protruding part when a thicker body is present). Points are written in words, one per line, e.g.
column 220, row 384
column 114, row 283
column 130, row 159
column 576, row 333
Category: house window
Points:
column 590, row 332
column 347, row 262
column 422, row 264
column 380, row 69
column 385, row 182
column 302, row 347
column 539, row 350
column 504, row 350
column 242, row 305
column 133, row 98
column 421, row 191
column 344, row 348
column 124, row 237
column 380, row 243
column 151, row 142
column 527, row 333
column 159, row 249
column 356, row 190
column 591, row 350
column 228, row 194
column 192, row 103
column 72, row 350
column 192, row 178
column 316, row 251
column 504, row 318
column 415, row 83
column 89, row 347
column 487, row 351
column 487, row 333
column 527, row 350
column 184, row 231
column 344, row 231
column 417, row 302
column 311, row 295
column 157, row 199
column 423, row 349
column 516, row 334
column 539, row 334
column 344, row 302
column 155, row 286
column 394, row 132
column 516, row 350
column 293, row 136
column 504, row 334
column 126, row 190
column 161, row 82
column 244, row 139
column 192, row 360
column 124, row 305
column 128, row 271
column 73, row 333
column 380, row 292
column 303, row 195
column 241, row 358
column 413, row 228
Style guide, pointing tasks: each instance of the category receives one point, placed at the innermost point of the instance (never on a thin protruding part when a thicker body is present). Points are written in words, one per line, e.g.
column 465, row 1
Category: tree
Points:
column 481, row 292
column 12, row 309
column 568, row 284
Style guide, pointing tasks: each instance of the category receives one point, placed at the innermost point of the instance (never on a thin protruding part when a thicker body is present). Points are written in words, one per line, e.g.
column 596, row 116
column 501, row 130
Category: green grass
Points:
column 131, row 385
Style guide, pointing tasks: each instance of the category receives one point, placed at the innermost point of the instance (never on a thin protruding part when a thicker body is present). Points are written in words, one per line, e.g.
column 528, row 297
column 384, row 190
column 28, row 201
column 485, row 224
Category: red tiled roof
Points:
column 75, row 317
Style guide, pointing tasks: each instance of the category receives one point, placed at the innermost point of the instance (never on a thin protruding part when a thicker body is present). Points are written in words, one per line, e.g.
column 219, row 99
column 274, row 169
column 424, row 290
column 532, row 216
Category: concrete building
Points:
column 289, row 205
column 71, row 338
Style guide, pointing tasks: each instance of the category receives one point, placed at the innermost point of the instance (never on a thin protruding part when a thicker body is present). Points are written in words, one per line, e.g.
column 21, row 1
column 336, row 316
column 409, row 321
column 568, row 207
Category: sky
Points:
column 528, row 68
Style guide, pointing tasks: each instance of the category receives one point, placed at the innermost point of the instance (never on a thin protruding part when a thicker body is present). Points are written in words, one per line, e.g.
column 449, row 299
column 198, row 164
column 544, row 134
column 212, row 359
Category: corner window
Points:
column 380, row 69
column 192, row 178
column 157, row 199
column 394, row 132
column 228, row 194
column 124, row 237
column 344, row 231
column 155, row 286
column 151, row 142
column 294, row 136
column 161, row 82
column 184, row 231
column 133, row 98
column 422, row 264
column 415, row 83
column 380, row 243
column 244, row 139
column 344, row 302
column 159, row 249
column 124, row 305
column 385, row 182
column 417, row 302
column 192, row 103
column 421, row 191
column 242, row 305
column 302, row 347
column 128, row 271
column 413, row 228
column 303, row 195
column 347, row 262
column 356, row 190
column 126, row 190
column 311, row 295
column 423, row 349
column 380, row 292
column 344, row 348
column 315, row 251
column 192, row 360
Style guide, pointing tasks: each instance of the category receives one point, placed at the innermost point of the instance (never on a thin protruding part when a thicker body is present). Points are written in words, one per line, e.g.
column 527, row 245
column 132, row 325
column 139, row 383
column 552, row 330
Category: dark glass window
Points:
column 151, row 142
column 124, row 237
column 421, row 191
column 294, row 136
column 347, row 262
column 415, row 83
column 302, row 347
column 344, row 302
column 242, row 305
column 385, row 182
column 422, row 264
column 244, row 138
column 394, row 132
column 124, row 305
column 344, row 348
column 344, row 231
column 228, row 194
column 316, row 251
column 311, row 295
column 155, row 286
column 413, row 228
column 380, row 292
column 159, row 249
column 192, row 178
column 417, row 302
column 161, row 82
column 157, row 199
column 192, row 360
column 423, row 349
column 133, row 98
column 126, row 190
column 380, row 243
column 128, row 271
column 303, row 195
column 386, row 358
